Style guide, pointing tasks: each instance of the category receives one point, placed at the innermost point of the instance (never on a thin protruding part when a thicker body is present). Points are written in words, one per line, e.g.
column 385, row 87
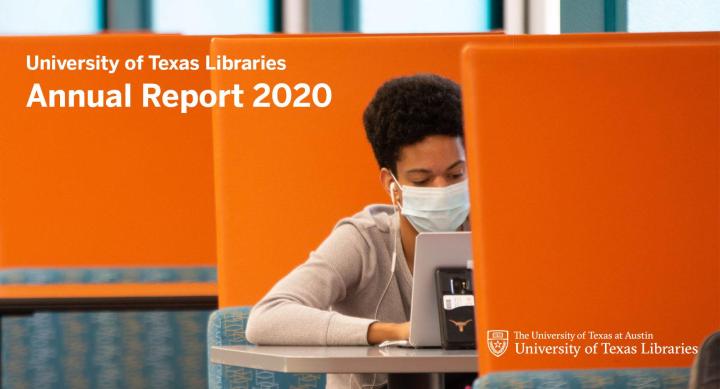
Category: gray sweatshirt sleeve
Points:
column 295, row 311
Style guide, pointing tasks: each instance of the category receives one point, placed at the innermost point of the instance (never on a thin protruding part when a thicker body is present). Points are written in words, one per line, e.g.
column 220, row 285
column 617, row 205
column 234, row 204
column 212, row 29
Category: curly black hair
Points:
column 406, row 110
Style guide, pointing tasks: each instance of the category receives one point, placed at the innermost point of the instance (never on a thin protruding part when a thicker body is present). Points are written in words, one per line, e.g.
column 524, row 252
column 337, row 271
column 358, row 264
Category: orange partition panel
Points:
column 285, row 176
column 595, row 192
column 104, row 186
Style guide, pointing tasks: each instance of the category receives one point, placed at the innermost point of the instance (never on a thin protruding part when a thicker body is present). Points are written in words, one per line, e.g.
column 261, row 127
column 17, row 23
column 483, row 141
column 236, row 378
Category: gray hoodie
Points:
column 331, row 299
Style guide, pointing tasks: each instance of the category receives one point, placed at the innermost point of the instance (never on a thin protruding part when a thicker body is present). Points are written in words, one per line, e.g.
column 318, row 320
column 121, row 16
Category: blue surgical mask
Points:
column 432, row 209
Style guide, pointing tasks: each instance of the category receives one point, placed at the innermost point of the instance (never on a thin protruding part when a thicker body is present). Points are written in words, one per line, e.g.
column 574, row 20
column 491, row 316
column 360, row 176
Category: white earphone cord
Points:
column 392, row 273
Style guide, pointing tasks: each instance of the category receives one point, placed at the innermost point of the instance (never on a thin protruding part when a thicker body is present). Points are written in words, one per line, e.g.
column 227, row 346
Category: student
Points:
column 355, row 288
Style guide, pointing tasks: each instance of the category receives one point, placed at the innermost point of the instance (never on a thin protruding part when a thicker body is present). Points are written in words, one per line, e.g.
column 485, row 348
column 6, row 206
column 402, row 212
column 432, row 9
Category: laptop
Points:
column 432, row 250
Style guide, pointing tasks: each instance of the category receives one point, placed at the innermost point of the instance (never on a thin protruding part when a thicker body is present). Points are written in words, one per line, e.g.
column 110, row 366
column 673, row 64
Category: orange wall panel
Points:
column 594, row 185
column 104, row 186
column 285, row 176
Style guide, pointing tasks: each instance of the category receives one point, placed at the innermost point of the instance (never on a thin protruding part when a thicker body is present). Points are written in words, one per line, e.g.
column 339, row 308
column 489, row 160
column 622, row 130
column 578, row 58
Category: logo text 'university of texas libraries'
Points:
column 497, row 341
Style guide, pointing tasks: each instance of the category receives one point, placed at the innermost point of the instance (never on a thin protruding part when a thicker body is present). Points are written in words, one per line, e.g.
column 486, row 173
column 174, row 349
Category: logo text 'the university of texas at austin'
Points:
column 497, row 341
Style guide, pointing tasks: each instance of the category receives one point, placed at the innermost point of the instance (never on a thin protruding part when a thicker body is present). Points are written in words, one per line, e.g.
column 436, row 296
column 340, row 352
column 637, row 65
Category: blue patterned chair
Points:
column 579, row 379
column 227, row 328
column 129, row 349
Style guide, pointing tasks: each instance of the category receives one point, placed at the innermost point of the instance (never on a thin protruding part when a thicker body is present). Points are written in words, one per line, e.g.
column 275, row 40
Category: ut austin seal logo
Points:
column 497, row 341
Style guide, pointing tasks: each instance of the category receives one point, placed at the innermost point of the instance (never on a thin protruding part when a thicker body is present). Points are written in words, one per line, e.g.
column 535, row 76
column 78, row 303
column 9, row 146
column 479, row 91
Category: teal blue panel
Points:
column 670, row 378
column 227, row 328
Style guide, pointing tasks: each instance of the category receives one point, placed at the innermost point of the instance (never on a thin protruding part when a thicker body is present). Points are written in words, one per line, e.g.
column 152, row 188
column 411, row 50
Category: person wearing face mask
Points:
column 355, row 288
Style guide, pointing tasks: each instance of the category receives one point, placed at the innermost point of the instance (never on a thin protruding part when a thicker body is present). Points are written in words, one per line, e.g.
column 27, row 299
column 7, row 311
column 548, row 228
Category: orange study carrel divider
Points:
column 593, row 167
column 104, row 186
column 285, row 176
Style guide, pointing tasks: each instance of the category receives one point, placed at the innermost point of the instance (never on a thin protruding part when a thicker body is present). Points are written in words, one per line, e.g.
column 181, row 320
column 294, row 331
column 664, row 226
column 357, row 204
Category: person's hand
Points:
column 379, row 332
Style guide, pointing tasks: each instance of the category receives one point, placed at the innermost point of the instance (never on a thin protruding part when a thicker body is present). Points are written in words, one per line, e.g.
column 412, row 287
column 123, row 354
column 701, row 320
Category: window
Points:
column 35, row 17
column 640, row 15
column 673, row 15
column 399, row 16
column 213, row 17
